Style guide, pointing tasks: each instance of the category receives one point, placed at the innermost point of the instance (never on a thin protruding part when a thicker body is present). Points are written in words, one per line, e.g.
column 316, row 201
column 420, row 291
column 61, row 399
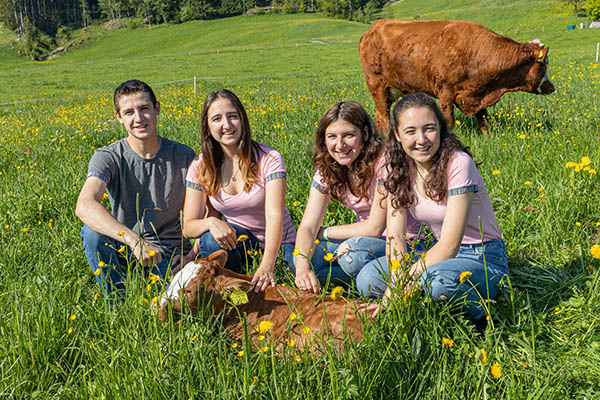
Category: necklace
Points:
column 419, row 172
column 234, row 176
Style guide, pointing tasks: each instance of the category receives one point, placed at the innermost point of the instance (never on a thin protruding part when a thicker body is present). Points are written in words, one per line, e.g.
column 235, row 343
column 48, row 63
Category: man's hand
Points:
column 146, row 253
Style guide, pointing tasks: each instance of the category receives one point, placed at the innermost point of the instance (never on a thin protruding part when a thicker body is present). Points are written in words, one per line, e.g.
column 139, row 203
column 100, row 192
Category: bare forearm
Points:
column 194, row 228
column 305, row 243
column 360, row 228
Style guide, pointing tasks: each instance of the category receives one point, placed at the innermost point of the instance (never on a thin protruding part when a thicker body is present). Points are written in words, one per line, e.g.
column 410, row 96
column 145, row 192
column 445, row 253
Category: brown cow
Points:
column 459, row 62
column 205, row 283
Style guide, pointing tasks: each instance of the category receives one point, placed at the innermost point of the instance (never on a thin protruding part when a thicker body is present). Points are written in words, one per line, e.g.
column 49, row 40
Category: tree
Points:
column 576, row 4
column 593, row 9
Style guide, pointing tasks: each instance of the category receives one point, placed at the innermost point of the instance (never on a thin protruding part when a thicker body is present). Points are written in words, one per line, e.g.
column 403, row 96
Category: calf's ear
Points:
column 228, row 284
column 219, row 257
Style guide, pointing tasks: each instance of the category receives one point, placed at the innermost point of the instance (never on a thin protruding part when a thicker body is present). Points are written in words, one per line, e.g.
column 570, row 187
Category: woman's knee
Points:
column 357, row 252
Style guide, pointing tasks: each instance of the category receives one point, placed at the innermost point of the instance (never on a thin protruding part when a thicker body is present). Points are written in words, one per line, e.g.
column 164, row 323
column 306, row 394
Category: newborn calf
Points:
column 295, row 315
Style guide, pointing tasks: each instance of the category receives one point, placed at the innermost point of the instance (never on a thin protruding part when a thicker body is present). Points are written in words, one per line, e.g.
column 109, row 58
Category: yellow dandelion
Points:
column 69, row 331
column 457, row 122
column 260, row 338
column 240, row 353
column 121, row 233
column 293, row 316
column 407, row 295
column 483, row 358
column 522, row 136
column 193, row 338
column 395, row 265
column 297, row 358
column 464, row 276
column 406, row 256
column 448, row 342
column 496, row 172
column 296, row 251
column 337, row 291
column 585, row 161
column 291, row 342
column 97, row 272
column 152, row 253
column 571, row 164
column 595, row 251
column 154, row 278
column 101, row 264
column 296, row 203
column 496, row 370
column 105, row 196
column 423, row 255
column 73, row 317
column 317, row 241
column 577, row 223
column 527, row 183
column 234, row 345
column 306, row 329
column 241, row 238
column 25, row 230
column 592, row 171
column 154, row 300
column 121, row 249
column 526, row 366
column 264, row 326
column 328, row 257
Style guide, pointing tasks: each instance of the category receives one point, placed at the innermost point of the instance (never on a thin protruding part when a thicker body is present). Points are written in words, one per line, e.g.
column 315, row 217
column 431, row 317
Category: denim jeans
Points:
column 238, row 258
column 112, row 276
column 442, row 280
column 361, row 250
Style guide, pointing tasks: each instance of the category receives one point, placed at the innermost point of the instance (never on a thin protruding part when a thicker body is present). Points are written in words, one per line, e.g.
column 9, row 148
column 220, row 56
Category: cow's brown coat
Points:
column 334, row 320
column 459, row 62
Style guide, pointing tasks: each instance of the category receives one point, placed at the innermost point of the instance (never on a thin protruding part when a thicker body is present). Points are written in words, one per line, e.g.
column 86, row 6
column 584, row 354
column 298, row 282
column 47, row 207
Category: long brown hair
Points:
column 399, row 182
column 212, row 153
column 337, row 176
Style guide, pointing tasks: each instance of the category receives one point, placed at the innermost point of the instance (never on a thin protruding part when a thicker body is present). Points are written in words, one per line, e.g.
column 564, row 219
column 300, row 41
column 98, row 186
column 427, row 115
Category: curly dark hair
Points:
column 338, row 176
column 399, row 182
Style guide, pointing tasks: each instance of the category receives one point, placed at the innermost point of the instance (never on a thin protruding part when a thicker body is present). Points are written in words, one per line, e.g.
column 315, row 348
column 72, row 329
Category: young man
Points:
column 144, row 175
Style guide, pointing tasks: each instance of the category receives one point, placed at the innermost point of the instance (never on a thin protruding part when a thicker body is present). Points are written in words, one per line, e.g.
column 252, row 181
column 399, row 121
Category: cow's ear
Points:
column 219, row 257
column 541, row 54
column 227, row 284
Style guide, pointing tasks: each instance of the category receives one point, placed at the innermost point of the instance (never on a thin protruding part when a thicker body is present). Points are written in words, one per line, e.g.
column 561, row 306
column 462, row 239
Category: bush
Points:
column 593, row 9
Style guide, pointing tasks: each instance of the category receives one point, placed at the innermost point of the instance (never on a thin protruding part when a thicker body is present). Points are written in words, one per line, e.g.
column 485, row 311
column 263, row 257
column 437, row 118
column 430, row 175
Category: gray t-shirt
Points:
column 146, row 195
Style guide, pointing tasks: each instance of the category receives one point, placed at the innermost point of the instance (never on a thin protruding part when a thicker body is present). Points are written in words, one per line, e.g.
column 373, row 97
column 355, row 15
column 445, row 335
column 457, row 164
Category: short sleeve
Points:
column 193, row 178
column 319, row 183
column 102, row 166
column 462, row 174
column 272, row 166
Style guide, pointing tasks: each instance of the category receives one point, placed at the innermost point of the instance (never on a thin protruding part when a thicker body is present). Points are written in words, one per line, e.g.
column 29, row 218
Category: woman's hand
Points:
column 223, row 234
column 306, row 280
column 262, row 278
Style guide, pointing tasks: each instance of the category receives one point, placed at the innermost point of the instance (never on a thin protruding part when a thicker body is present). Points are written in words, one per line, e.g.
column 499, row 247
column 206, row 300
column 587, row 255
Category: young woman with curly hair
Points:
column 435, row 180
column 242, row 184
column 349, row 161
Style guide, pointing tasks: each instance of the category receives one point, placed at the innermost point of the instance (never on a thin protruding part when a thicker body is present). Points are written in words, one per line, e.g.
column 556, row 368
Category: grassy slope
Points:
column 545, row 352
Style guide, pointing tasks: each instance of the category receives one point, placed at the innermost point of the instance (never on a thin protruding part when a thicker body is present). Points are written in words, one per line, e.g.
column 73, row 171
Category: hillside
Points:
column 267, row 46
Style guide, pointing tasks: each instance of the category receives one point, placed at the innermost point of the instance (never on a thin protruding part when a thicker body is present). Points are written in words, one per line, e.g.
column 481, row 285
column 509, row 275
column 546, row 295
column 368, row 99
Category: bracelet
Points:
column 325, row 234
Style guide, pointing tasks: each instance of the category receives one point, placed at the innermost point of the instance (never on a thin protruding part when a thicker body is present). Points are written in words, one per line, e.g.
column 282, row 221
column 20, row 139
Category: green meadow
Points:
column 58, row 337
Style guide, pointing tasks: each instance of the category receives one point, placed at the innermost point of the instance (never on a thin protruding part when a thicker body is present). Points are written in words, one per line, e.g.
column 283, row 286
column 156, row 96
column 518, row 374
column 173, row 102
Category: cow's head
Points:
column 537, row 80
column 200, row 283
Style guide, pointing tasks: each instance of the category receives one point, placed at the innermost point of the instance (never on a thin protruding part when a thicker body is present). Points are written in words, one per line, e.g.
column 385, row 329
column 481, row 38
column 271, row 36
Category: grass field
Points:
column 58, row 339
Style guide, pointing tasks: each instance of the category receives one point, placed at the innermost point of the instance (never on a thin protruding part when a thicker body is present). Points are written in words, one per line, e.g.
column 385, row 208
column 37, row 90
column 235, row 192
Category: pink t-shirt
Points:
column 247, row 209
column 463, row 177
column 362, row 207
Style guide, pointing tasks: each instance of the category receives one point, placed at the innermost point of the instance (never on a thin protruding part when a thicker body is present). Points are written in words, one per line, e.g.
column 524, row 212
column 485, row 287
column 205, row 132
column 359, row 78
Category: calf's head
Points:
column 537, row 80
column 202, row 283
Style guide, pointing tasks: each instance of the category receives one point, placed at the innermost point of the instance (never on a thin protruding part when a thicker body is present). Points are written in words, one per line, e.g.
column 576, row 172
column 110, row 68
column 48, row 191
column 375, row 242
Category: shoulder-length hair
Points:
column 399, row 182
column 335, row 175
column 212, row 153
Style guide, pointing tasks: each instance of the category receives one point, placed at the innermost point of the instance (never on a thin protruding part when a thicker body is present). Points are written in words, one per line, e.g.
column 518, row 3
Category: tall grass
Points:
column 545, row 325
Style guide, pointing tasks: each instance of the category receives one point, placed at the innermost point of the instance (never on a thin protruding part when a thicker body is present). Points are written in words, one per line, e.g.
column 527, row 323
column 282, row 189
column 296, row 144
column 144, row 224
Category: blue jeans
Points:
column 361, row 250
column 442, row 280
column 239, row 257
column 98, row 247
